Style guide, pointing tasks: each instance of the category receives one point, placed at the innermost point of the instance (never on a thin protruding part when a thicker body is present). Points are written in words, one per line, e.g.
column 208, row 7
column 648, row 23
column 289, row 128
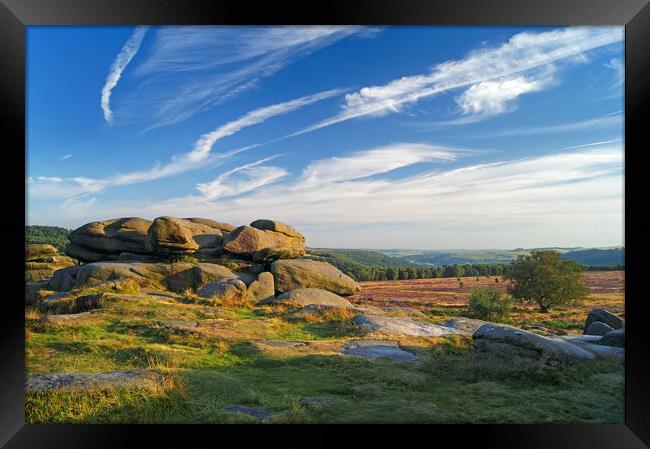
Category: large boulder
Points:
column 277, row 226
column 42, row 260
column 169, row 235
column 96, row 240
column 510, row 342
column 197, row 276
column 96, row 273
column 305, row 273
column 307, row 296
column 262, row 288
column 597, row 328
column 263, row 245
column 231, row 291
column 606, row 317
column 615, row 338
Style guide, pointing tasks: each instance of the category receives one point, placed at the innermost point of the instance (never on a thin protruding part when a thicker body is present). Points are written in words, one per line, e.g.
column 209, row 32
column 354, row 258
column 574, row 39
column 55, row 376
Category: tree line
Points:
column 380, row 273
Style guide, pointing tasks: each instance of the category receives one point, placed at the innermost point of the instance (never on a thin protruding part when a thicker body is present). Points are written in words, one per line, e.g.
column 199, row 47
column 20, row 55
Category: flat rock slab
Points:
column 315, row 402
column 466, row 326
column 376, row 349
column 511, row 342
column 153, row 292
column 402, row 326
column 81, row 381
column 57, row 297
column 403, row 310
column 600, row 351
column 282, row 344
column 65, row 317
column 256, row 413
column 179, row 324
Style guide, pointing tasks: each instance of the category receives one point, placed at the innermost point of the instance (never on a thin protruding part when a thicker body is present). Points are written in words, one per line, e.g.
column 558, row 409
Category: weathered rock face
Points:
column 615, row 338
column 169, row 235
column 94, row 241
column 305, row 273
column 307, row 296
column 262, row 288
column 377, row 349
column 107, row 240
column 177, row 277
column 606, row 317
column 263, row 245
column 223, row 227
column 42, row 261
column 464, row 325
column 592, row 344
column 39, row 252
column 224, row 290
column 197, row 276
column 598, row 328
column 84, row 381
column 511, row 342
column 402, row 326
column 277, row 226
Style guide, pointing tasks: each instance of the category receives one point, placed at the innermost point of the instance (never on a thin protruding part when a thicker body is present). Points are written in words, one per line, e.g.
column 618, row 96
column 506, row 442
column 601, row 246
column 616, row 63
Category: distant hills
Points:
column 605, row 257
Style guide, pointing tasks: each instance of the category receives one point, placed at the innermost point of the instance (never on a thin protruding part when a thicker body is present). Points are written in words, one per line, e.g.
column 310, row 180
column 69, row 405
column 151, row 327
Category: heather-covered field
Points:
column 444, row 297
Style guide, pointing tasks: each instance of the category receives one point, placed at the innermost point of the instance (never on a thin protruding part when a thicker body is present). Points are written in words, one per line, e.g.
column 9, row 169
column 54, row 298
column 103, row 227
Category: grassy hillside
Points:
column 358, row 257
column 600, row 257
column 53, row 235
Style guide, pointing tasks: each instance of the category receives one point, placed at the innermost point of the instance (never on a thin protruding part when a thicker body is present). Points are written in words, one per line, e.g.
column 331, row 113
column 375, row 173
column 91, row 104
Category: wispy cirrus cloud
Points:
column 123, row 59
column 65, row 156
column 201, row 153
column 617, row 66
column 523, row 64
column 606, row 121
column 363, row 164
column 242, row 179
column 509, row 200
column 191, row 69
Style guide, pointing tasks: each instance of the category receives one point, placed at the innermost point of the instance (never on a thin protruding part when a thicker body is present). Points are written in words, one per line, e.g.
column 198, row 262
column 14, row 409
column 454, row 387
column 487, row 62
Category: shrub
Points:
column 489, row 304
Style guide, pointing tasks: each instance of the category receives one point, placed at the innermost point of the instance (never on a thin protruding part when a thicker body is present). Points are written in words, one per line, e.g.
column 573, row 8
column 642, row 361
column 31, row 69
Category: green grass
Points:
column 222, row 366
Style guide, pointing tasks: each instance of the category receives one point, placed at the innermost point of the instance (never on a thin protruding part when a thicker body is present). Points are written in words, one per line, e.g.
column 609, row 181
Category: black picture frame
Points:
column 15, row 15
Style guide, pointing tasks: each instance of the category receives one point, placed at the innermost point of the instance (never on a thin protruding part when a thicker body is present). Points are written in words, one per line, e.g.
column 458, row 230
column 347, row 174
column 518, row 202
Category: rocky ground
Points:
column 194, row 321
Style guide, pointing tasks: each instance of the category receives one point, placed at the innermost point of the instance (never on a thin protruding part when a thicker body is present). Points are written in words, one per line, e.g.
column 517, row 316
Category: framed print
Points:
column 366, row 213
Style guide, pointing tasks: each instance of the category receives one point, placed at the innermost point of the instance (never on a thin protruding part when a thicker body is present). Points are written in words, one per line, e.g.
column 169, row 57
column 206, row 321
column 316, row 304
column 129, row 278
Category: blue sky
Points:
column 361, row 137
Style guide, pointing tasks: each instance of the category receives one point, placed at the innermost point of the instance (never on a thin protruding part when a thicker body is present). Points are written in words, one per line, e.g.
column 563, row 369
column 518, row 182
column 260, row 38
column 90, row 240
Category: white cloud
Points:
column 617, row 66
column 123, row 58
column 65, row 156
column 571, row 197
column 192, row 69
column 199, row 156
column 367, row 163
column 607, row 121
column 242, row 179
column 524, row 54
column 495, row 97
column 53, row 187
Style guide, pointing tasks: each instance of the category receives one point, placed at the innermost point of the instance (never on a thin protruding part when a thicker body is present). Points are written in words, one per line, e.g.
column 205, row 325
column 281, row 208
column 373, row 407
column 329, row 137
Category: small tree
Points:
column 544, row 278
column 488, row 303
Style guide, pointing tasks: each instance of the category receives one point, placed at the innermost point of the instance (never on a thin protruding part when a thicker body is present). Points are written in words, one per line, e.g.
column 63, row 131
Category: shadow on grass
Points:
column 446, row 385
